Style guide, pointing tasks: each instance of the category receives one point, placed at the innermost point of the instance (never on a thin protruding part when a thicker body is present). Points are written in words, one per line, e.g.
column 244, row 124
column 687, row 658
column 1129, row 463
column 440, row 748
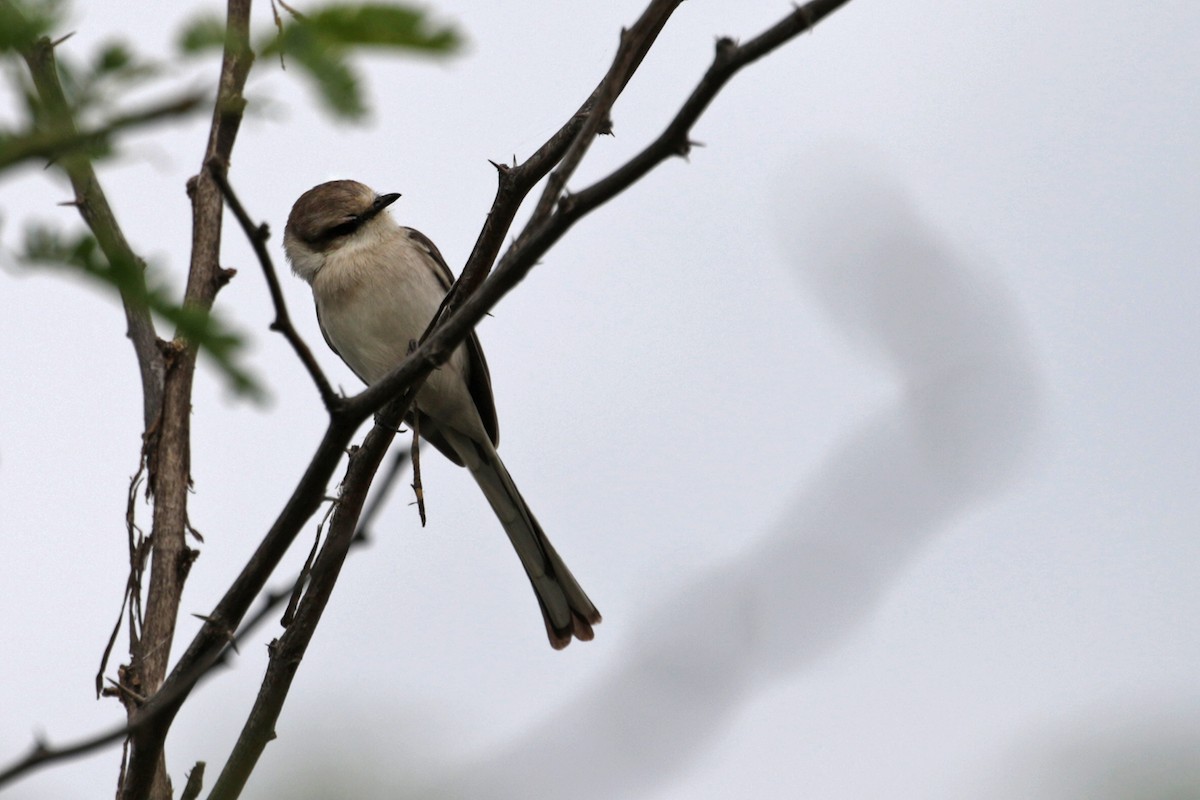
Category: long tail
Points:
column 565, row 607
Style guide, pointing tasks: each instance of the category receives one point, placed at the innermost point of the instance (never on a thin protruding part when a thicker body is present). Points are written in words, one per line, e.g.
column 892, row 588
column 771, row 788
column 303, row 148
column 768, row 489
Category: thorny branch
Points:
column 402, row 383
column 257, row 235
column 515, row 182
column 44, row 753
column 171, row 480
column 457, row 319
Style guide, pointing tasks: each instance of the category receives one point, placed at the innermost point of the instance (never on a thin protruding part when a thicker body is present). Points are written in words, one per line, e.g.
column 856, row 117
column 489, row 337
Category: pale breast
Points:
column 374, row 298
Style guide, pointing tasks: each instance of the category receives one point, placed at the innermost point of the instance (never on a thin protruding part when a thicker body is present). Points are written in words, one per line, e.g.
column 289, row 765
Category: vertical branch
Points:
column 171, row 444
column 97, row 214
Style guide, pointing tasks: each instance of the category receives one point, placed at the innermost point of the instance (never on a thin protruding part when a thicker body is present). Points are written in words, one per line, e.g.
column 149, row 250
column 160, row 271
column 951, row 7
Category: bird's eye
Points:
column 344, row 229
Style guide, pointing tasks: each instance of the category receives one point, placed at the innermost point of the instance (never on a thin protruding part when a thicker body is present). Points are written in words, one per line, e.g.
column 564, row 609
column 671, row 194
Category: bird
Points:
column 376, row 285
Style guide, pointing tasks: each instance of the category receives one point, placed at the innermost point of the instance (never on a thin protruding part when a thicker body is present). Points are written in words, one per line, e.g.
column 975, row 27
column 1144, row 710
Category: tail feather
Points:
column 565, row 607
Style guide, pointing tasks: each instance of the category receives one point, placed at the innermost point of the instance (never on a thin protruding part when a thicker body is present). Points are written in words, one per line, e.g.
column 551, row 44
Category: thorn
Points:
column 682, row 149
column 59, row 41
column 501, row 168
column 77, row 203
column 804, row 11
column 726, row 47
column 226, row 634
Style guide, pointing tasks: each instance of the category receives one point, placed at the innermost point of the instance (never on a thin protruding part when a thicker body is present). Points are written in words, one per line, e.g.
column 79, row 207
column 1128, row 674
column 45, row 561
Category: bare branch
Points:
column 516, row 182
column 674, row 141
column 257, row 235
column 146, row 774
column 635, row 42
column 195, row 782
column 289, row 650
column 396, row 391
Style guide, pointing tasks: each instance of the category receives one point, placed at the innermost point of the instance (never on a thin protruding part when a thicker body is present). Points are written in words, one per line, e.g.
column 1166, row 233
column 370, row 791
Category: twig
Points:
column 417, row 487
column 516, row 182
column 195, row 782
column 291, row 647
column 634, row 44
column 302, row 577
column 257, row 235
column 536, row 239
column 98, row 215
column 60, row 142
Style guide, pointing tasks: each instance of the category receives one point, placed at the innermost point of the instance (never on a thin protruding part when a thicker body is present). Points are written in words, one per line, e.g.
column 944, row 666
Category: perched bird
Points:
column 377, row 285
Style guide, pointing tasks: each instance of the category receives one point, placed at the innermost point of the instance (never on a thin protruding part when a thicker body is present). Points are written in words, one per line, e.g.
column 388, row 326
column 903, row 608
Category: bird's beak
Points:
column 383, row 201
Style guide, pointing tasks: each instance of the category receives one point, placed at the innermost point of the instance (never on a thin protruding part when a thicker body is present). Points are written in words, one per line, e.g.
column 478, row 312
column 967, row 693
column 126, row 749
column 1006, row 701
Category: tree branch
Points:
column 516, row 182
column 258, row 234
column 287, row 652
column 146, row 773
column 98, row 215
column 536, row 239
column 635, row 43
column 209, row 645
column 56, row 143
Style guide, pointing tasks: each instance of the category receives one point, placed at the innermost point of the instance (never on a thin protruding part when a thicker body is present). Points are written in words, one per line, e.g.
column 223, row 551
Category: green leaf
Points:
column 336, row 83
column 46, row 246
column 381, row 26
column 320, row 43
column 117, row 63
column 201, row 34
column 115, row 56
column 23, row 23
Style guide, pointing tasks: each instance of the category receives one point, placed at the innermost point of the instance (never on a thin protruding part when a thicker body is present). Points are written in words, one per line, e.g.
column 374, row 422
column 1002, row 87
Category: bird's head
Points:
column 329, row 217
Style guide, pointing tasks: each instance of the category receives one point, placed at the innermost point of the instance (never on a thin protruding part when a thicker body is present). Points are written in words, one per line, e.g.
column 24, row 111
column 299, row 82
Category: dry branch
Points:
column 150, row 724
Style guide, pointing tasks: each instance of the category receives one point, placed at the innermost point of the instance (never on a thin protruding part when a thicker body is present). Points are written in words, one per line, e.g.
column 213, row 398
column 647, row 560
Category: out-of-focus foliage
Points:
column 321, row 42
column 99, row 81
column 23, row 23
column 92, row 89
column 85, row 122
column 46, row 246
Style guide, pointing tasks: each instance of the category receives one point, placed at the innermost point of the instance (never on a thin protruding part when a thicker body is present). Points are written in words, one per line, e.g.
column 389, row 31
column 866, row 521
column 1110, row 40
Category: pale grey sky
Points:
column 871, row 429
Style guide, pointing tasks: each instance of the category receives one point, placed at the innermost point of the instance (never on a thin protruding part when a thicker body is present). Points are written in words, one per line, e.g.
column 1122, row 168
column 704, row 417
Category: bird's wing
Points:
column 479, row 380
